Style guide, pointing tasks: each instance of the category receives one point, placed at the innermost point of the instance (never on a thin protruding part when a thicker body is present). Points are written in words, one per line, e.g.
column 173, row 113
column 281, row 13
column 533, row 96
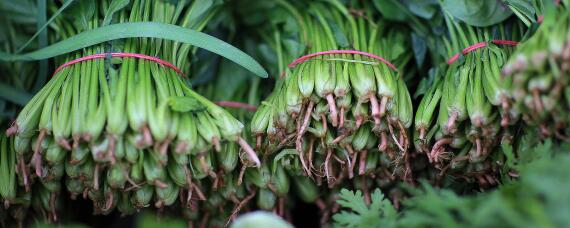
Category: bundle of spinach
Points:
column 127, row 133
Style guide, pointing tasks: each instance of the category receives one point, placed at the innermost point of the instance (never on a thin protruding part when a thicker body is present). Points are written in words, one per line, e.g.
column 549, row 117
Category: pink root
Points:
column 342, row 116
column 96, row 177
column 12, row 130
column 375, row 109
column 383, row 104
column 451, row 122
column 333, row 112
column 438, row 147
column 249, row 151
column 422, row 133
column 111, row 151
column 24, row 173
column 216, row 143
column 362, row 163
column 383, row 141
column 64, row 144
column 160, row 184
column 181, row 147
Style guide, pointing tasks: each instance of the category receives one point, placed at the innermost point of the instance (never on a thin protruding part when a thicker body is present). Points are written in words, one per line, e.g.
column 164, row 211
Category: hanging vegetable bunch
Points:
column 468, row 110
column 127, row 132
column 343, row 110
column 539, row 71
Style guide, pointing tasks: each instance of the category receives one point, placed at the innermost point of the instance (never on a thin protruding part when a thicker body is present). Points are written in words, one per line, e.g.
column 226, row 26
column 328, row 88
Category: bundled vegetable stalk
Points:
column 539, row 71
column 128, row 132
column 340, row 111
column 468, row 110
column 14, row 198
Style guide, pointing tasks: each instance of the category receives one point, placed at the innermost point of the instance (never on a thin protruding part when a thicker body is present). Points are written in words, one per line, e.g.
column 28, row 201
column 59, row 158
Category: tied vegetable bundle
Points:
column 468, row 110
column 127, row 133
column 15, row 200
column 341, row 113
column 539, row 71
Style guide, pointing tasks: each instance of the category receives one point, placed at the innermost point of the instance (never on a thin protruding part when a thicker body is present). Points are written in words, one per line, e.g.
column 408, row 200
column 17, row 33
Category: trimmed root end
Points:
column 96, row 177
column 506, row 118
column 258, row 141
column 383, row 141
column 249, row 151
column 333, row 112
column 22, row 165
column 479, row 148
column 422, row 133
column 216, row 143
column 147, row 136
column 383, row 104
column 160, row 184
column 451, row 122
column 342, row 117
column 362, row 163
column 111, row 151
column 181, row 147
column 64, row 144
column 375, row 109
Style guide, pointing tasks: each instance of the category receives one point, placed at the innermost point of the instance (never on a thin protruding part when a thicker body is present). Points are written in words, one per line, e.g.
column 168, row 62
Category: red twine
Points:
column 235, row 104
column 351, row 52
column 119, row 54
column 480, row 45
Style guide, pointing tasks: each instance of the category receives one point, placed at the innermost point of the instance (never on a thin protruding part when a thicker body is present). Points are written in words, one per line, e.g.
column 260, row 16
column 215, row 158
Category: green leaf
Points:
column 142, row 29
column 478, row 12
column 55, row 15
column 185, row 104
column 419, row 46
column 390, row 9
column 82, row 12
column 115, row 6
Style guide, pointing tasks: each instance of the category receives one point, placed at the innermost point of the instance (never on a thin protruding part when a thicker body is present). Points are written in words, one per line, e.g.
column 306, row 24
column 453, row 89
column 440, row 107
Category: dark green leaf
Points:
column 419, row 46
column 478, row 12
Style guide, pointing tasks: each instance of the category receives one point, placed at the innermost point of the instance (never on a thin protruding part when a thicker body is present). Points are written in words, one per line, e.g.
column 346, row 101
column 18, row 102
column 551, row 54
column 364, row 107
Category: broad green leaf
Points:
column 390, row 9
column 478, row 12
column 141, row 29
column 185, row 104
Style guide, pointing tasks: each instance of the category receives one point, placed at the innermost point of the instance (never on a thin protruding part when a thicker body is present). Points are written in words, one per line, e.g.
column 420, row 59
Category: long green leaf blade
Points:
column 142, row 29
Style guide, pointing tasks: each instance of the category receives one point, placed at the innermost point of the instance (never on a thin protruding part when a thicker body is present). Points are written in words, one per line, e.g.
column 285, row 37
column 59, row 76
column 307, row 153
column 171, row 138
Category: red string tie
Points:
column 350, row 52
column 480, row 45
column 119, row 54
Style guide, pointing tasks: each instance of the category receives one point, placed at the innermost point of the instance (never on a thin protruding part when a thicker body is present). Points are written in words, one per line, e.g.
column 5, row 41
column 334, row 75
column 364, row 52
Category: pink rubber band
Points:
column 119, row 54
column 235, row 104
column 480, row 45
column 351, row 52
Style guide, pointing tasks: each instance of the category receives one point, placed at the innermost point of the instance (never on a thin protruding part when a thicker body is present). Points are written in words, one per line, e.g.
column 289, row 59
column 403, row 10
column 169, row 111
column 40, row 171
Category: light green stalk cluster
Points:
column 539, row 71
column 335, row 117
column 467, row 112
column 128, row 133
